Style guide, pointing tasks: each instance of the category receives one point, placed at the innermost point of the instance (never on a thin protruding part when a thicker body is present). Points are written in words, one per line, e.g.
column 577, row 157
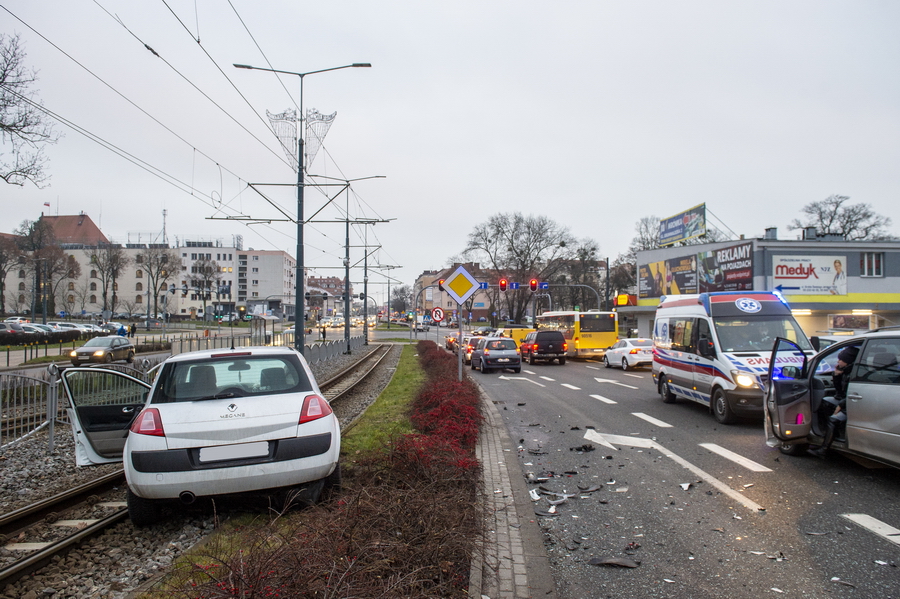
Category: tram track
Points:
column 80, row 513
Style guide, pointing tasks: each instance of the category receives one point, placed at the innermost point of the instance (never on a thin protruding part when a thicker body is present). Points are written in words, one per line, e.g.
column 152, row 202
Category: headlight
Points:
column 743, row 379
column 100, row 352
column 73, row 353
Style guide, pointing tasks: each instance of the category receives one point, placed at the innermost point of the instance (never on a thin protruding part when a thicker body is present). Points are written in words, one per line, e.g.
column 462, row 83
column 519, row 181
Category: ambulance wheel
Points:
column 721, row 409
column 667, row 395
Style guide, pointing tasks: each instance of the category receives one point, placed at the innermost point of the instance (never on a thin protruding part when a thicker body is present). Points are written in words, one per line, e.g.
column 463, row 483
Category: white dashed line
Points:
column 637, row 376
column 876, row 526
column 592, row 367
column 652, row 420
column 568, row 386
column 612, row 382
column 603, row 399
column 547, row 378
column 736, row 458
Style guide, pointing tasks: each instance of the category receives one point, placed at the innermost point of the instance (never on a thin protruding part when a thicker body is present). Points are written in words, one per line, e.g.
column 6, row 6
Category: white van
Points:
column 714, row 348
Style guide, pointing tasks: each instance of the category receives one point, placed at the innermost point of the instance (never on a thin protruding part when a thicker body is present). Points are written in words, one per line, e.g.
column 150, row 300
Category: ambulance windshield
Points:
column 757, row 334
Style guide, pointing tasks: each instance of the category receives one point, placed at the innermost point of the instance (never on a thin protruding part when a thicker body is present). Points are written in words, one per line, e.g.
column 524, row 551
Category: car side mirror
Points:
column 706, row 348
column 815, row 342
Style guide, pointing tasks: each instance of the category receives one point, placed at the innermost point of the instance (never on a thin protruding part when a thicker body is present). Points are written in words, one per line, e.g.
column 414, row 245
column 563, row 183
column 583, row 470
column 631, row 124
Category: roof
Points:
column 76, row 229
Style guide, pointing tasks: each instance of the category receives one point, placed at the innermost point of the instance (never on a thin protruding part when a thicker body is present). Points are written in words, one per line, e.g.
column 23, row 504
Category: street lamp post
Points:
column 299, row 309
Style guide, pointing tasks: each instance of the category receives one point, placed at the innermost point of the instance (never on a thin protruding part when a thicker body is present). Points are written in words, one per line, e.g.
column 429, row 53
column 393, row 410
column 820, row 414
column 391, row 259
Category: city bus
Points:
column 587, row 333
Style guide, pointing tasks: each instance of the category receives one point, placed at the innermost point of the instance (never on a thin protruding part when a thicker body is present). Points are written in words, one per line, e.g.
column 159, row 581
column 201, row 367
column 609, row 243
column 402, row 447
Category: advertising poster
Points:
column 810, row 275
column 726, row 269
column 684, row 225
column 668, row 277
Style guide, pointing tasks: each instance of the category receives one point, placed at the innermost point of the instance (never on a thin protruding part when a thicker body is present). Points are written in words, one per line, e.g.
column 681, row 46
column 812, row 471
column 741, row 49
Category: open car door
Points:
column 788, row 409
column 102, row 405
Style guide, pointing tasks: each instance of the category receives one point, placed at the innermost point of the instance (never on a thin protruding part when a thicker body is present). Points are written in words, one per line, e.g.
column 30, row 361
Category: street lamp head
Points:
column 243, row 66
column 357, row 64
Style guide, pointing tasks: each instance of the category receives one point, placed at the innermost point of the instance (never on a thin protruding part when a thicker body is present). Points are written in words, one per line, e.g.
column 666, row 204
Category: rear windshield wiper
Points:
column 216, row 396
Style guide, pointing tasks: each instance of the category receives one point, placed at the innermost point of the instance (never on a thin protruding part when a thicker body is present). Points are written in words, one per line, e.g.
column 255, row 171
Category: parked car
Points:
column 798, row 385
column 214, row 422
column 544, row 345
column 13, row 328
column 103, row 349
column 629, row 354
column 37, row 329
column 490, row 353
column 19, row 319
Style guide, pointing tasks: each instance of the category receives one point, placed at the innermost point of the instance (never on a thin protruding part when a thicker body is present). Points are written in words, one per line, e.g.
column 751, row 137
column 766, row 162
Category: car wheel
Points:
column 795, row 449
column 721, row 409
column 472, row 363
column 531, row 359
column 130, row 357
column 606, row 362
column 624, row 363
column 484, row 369
column 107, row 358
column 667, row 395
column 334, row 480
column 562, row 361
column 517, row 370
column 143, row 512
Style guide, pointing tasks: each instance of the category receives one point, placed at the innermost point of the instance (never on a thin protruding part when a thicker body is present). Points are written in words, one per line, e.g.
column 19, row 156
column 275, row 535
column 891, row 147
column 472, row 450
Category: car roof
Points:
column 255, row 350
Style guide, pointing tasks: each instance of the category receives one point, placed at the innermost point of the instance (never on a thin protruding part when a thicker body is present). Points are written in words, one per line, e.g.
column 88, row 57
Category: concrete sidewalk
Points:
column 513, row 563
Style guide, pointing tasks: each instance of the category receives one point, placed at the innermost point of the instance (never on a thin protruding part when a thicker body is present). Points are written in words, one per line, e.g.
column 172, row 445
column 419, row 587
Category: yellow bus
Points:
column 588, row 333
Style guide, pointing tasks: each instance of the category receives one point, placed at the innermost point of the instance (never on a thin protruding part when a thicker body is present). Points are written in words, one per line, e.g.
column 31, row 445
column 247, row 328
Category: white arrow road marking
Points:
column 880, row 528
column 520, row 378
column 547, row 378
column 652, row 420
column 596, row 437
column 568, row 386
column 736, row 458
column 599, row 380
column 603, row 399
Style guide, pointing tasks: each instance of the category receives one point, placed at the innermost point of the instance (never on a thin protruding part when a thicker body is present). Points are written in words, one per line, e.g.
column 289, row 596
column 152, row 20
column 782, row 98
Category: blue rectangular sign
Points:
column 513, row 285
column 543, row 285
column 482, row 285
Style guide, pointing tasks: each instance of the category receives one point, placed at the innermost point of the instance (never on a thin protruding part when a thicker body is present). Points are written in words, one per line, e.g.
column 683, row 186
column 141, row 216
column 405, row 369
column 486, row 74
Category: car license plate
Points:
column 503, row 359
column 234, row 452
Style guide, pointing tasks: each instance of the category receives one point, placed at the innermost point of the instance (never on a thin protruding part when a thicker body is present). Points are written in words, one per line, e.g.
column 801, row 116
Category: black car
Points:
column 103, row 349
column 544, row 345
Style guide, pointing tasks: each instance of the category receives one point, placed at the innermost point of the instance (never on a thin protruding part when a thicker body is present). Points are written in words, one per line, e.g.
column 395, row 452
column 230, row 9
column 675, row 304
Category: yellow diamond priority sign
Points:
column 460, row 285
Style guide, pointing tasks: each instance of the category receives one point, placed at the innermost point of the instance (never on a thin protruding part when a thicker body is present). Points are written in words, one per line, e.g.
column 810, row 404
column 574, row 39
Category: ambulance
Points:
column 714, row 348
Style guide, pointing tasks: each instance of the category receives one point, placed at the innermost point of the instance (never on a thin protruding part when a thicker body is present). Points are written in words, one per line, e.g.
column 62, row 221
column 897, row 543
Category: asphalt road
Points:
column 707, row 510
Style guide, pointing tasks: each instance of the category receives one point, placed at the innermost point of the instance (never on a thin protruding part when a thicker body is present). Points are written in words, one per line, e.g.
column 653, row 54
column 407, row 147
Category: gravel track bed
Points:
column 125, row 557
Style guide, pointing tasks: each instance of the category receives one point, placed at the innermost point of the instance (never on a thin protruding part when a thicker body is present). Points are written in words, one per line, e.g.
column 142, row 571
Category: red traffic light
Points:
column 441, row 284
column 503, row 284
column 533, row 283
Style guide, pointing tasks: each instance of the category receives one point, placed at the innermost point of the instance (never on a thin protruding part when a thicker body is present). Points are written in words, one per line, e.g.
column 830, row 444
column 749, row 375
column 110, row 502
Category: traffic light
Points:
column 503, row 284
column 533, row 283
column 362, row 296
column 441, row 284
column 306, row 295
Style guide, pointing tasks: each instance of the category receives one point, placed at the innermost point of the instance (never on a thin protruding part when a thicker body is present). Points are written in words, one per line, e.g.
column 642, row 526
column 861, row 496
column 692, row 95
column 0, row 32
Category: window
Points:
column 139, row 299
column 71, row 299
column 255, row 258
column 71, row 286
column 870, row 264
column 93, row 299
column 93, row 274
column 193, row 256
column 140, row 260
column 93, row 286
column 680, row 331
column 21, row 274
column 254, row 269
column 139, row 274
column 21, row 299
column 255, row 282
column 21, row 286
column 139, row 287
column 115, row 286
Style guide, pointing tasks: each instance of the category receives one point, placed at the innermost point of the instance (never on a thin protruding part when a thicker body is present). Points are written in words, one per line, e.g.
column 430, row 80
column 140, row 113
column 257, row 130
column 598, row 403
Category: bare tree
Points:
column 24, row 127
column 160, row 264
column 401, row 298
column 833, row 216
column 581, row 270
column 110, row 260
column 10, row 257
column 205, row 278
column 520, row 248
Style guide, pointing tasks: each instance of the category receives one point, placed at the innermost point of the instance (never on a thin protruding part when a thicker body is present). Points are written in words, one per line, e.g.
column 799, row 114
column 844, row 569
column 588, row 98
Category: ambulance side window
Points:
column 703, row 335
column 681, row 334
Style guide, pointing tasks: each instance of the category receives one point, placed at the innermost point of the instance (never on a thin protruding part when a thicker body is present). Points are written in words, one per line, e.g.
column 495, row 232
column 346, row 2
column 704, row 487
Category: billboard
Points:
column 810, row 275
column 726, row 269
column 684, row 225
column 668, row 277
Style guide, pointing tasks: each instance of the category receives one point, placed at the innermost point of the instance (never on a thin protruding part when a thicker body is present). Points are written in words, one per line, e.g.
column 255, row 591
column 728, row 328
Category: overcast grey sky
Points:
column 593, row 113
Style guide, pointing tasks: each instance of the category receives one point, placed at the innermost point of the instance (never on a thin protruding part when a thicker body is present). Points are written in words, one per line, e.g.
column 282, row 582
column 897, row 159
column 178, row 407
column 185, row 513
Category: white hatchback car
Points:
column 214, row 422
column 629, row 354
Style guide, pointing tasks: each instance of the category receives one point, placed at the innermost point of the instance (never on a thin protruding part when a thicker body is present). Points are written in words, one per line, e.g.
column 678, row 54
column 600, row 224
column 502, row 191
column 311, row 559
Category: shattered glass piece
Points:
column 622, row 562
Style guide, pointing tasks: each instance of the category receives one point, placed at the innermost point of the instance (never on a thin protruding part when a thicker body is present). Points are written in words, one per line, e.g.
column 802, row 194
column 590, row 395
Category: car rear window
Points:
column 502, row 344
column 245, row 376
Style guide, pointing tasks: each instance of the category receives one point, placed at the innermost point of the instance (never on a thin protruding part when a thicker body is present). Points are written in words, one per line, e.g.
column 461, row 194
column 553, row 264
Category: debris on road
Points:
column 685, row 486
column 622, row 562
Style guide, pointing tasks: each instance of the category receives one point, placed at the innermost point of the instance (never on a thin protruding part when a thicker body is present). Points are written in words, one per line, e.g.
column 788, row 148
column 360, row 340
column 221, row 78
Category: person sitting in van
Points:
column 834, row 408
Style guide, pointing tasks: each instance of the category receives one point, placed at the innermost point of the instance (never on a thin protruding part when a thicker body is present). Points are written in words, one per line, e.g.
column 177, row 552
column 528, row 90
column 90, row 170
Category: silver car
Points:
column 798, row 385
column 491, row 353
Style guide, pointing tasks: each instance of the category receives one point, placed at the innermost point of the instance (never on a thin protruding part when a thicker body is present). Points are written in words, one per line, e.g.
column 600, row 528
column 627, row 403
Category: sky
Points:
column 593, row 113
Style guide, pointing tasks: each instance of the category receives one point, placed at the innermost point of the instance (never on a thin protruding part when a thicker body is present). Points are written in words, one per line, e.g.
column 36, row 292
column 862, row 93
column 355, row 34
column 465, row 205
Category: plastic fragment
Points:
column 839, row 581
column 534, row 495
column 685, row 486
column 777, row 590
column 668, row 580
column 880, row 562
column 622, row 490
column 622, row 562
column 589, row 489
column 817, row 534
column 544, row 514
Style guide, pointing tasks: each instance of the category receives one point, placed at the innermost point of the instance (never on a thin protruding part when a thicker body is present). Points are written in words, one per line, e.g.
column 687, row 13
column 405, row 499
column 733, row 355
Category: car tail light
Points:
column 565, row 346
column 635, row 351
column 314, row 407
column 534, row 347
column 148, row 422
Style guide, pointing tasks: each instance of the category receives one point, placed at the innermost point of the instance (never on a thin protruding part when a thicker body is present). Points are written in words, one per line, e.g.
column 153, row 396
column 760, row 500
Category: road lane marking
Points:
column 592, row 367
column 637, row 376
column 547, row 378
column 521, row 378
column 606, row 440
column 568, row 386
column 878, row 527
column 652, row 420
column 612, row 382
column 603, row 399
column 736, row 458
column 529, row 372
